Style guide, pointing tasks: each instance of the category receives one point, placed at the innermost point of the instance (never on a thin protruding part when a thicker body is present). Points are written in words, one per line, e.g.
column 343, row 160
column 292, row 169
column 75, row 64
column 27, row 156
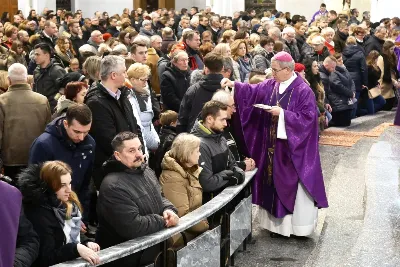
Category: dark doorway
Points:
column 64, row 4
column 152, row 5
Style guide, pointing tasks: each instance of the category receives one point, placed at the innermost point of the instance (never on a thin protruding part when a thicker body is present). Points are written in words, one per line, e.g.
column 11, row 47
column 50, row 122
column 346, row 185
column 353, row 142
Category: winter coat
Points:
column 110, row 117
column 387, row 86
column 146, row 32
column 195, row 98
column 374, row 75
column 77, row 42
column 261, row 58
column 174, row 84
column 130, row 204
column 62, row 105
column 341, row 89
column 354, row 60
column 373, row 43
column 340, row 41
column 165, row 43
column 292, row 49
column 31, row 111
column 45, row 81
column 152, row 60
column 300, row 39
column 39, row 201
column 162, row 65
column 143, row 111
column 27, row 248
column 94, row 48
column 196, row 76
column 308, row 52
column 44, row 39
column 54, row 144
column 215, row 159
column 113, row 31
column 167, row 136
column 183, row 189
column 65, row 57
column 195, row 59
column 14, row 58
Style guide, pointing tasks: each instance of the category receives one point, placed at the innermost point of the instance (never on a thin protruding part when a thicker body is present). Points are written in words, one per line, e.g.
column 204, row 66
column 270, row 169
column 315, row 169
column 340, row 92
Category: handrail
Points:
column 132, row 246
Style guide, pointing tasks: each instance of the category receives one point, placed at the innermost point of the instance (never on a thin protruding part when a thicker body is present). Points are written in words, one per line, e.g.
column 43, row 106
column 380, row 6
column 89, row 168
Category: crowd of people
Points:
column 113, row 127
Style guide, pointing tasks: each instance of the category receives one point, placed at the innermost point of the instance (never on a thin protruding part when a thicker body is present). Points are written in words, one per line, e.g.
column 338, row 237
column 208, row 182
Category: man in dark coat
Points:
column 76, row 40
column 203, row 25
column 46, row 73
column 130, row 203
column 200, row 93
column 175, row 81
column 112, row 112
column 67, row 139
column 112, row 29
column 375, row 42
column 341, row 36
column 48, row 35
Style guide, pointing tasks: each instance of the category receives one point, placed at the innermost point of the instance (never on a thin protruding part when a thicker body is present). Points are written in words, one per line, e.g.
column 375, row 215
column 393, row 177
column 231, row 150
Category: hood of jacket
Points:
column 63, row 104
column 35, row 191
column 200, row 130
column 258, row 50
column 170, row 164
column 350, row 50
column 211, row 82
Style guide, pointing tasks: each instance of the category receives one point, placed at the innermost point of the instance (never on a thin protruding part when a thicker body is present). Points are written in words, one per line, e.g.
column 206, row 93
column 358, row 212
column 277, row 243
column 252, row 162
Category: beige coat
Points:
column 152, row 60
column 387, row 89
column 24, row 115
column 183, row 190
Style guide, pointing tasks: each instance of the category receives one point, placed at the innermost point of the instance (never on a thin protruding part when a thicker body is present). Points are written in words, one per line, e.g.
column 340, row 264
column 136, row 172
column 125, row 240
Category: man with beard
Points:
column 220, row 169
column 73, row 31
column 23, row 37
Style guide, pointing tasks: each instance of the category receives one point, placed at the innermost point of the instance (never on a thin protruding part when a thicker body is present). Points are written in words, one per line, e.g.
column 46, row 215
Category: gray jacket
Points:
column 215, row 159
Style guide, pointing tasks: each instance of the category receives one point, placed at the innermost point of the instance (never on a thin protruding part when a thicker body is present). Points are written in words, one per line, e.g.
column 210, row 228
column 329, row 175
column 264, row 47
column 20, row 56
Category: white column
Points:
column 179, row 4
column 226, row 7
column 295, row 7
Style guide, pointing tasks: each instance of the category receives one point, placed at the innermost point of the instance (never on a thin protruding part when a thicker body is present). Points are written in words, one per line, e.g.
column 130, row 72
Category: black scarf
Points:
column 387, row 70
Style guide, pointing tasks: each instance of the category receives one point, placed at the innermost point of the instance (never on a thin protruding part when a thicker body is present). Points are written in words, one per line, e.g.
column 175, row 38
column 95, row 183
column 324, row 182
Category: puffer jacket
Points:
column 373, row 43
column 183, row 189
column 300, row 39
column 261, row 58
column 340, row 41
column 215, row 159
column 308, row 52
column 195, row 98
column 174, row 84
column 354, row 60
column 341, row 89
column 39, row 202
column 130, row 204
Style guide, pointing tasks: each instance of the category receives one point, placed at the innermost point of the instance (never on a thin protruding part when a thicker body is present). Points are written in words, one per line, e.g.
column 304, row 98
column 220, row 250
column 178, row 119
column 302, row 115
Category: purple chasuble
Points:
column 294, row 159
column 10, row 210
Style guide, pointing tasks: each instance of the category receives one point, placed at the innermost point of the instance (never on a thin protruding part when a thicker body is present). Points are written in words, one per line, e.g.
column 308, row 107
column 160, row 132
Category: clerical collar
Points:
column 285, row 84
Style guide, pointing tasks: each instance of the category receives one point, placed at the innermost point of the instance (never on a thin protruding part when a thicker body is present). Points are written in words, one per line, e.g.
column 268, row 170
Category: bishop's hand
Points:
column 226, row 82
column 274, row 111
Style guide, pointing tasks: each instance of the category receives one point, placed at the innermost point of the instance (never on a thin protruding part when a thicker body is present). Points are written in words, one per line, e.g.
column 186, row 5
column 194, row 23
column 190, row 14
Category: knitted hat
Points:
column 298, row 67
column 106, row 36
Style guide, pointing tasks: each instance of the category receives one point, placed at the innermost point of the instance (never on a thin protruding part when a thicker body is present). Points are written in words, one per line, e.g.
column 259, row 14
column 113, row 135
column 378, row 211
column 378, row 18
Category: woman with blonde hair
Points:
column 55, row 213
column 315, row 49
column 180, row 181
column 240, row 55
column 91, row 67
column 224, row 50
column 228, row 37
column 254, row 41
column 141, row 101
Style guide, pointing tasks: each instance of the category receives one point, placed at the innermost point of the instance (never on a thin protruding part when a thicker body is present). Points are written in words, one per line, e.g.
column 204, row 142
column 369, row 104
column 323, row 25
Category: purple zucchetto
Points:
column 283, row 56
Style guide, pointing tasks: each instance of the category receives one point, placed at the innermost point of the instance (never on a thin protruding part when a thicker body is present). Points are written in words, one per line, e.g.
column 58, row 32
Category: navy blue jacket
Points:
column 54, row 144
column 354, row 60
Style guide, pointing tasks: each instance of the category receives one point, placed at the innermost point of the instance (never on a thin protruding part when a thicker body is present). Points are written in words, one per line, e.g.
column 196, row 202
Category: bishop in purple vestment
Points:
column 284, row 143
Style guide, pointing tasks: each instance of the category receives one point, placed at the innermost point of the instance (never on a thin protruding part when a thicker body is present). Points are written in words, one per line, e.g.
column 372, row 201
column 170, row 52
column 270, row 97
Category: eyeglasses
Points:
column 143, row 80
column 233, row 106
column 276, row 71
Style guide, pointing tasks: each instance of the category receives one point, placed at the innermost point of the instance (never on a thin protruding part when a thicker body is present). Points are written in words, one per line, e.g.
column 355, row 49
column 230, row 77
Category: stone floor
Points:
column 361, row 225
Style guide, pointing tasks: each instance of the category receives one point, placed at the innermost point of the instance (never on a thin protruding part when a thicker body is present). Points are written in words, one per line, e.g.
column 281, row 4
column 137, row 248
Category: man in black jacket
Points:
column 200, row 93
column 112, row 29
column 130, row 203
column 219, row 166
column 111, row 110
column 46, row 73
column 73, row 31
column 376, row 41
column 48, row 35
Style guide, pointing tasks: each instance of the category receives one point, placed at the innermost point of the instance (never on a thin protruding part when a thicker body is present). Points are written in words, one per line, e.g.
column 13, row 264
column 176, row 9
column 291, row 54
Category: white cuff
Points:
column 281, row 132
